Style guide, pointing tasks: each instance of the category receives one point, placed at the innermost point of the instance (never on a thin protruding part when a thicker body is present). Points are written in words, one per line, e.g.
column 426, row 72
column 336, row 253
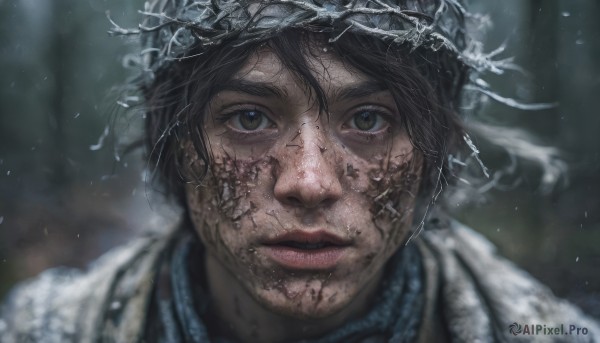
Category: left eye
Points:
column 367, row 120
column 250, row 120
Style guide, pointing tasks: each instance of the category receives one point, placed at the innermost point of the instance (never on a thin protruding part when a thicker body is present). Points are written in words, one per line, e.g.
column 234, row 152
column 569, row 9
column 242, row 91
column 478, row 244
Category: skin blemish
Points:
column 351, row 171
column 369, row 259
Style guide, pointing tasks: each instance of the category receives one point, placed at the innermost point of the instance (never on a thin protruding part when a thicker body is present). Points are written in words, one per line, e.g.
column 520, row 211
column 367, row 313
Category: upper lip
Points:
column 306, row 237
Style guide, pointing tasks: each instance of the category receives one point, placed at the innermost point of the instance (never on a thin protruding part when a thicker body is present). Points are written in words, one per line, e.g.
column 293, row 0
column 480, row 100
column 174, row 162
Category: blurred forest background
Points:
column 65, row 199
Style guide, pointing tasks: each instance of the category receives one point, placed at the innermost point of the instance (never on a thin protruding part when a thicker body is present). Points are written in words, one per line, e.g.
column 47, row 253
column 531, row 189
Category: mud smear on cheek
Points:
column 232, row 182
column 391, row 188
column 228, row 189
column 393, row 192
column 222, row 205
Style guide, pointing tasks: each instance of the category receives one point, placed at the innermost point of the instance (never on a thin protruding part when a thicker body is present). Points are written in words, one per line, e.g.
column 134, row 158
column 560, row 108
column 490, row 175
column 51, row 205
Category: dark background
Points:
column 64, row 201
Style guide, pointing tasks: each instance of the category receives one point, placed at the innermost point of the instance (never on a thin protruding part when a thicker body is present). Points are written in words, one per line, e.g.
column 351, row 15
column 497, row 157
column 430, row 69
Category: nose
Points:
column 307, row 176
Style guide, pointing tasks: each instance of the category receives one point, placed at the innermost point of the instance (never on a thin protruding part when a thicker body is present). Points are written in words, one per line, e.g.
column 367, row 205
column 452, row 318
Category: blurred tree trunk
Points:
column 543, row 65
column 58, row 62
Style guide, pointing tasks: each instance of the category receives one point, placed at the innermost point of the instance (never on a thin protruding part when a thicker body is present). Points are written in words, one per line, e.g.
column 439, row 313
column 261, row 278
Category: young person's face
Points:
column 304, row 208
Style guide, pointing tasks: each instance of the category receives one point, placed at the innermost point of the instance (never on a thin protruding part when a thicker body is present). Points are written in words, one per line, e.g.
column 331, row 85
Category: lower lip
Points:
column 316, row 259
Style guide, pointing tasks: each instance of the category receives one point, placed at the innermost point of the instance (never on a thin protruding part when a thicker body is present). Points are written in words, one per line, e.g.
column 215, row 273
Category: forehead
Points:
column 265, row 66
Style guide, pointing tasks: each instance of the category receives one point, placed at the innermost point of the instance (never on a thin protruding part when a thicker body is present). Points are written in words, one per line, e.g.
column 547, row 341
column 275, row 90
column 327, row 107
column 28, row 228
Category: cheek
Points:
column 227, row 201
column 393, row 190
column 202, row 208
column 388, row 189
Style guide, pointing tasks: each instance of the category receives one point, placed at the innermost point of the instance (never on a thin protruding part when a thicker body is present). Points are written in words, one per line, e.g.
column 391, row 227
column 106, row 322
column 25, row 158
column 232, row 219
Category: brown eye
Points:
column 250, row 120
column 367, row 121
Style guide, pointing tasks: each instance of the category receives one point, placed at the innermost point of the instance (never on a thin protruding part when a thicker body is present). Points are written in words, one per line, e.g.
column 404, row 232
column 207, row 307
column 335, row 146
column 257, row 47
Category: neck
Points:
column 239, row 316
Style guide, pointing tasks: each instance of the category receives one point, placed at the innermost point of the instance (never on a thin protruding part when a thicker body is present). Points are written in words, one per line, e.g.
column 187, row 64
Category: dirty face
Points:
column 304, row 208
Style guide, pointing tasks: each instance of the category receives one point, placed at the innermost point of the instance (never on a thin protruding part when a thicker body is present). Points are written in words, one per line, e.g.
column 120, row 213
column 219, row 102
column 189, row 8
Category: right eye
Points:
column 249, row 120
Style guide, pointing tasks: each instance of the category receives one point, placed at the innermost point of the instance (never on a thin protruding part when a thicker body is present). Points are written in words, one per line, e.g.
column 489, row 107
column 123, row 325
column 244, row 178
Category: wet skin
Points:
column 283, row 175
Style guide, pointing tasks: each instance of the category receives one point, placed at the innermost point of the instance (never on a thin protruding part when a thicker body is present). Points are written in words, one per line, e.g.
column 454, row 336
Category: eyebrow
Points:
column 359, row 90
column 252, row 88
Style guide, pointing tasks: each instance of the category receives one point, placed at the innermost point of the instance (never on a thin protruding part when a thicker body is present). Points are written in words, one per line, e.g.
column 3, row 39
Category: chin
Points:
column 308, row 299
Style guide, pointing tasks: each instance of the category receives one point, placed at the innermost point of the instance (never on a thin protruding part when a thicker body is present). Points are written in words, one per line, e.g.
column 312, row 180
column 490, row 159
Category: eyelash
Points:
column 383, row 114
column 236, row 133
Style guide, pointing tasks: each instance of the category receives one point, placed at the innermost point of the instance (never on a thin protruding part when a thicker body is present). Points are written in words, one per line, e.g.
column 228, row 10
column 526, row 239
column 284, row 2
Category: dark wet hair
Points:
column 425, row 84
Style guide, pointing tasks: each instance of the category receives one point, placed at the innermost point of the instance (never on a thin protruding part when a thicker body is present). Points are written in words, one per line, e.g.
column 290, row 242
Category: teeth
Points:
column 306, row 246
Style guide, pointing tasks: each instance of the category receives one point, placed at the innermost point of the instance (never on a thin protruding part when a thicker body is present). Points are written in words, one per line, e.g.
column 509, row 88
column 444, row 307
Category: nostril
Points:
column 293, row 201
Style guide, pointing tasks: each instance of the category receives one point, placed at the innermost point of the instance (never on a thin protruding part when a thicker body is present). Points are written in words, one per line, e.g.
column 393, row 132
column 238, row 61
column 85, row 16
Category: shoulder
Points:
column 484, row 296
column 68, row 305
